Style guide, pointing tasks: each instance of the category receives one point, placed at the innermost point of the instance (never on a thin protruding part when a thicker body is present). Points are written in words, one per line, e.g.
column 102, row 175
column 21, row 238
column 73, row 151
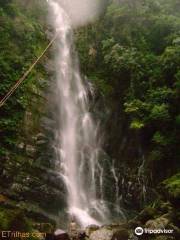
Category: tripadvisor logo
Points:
column 139, row 231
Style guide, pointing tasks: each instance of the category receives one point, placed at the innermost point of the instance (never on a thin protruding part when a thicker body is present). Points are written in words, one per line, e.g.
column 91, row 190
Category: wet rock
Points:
column 165, row 207
column 121, row 234
column 164, row 238
column 158, row 223
column 41, row 142
column 61, row 235
column 48, row 124
column 147, row 214
column 176, row 230
column 132, row 236
column 18, row 188
column 21, row 146
column 109, row 233
column 33, row 211
column 3, row 199
column 134, row 223
column 90, row 229
column 117, row 226
column 81, row 235
column 40, row 136
column 13, row 219
column 102, row 234
column 30, row 150
column 73, row 230
column 46, row 228
column 49, row 236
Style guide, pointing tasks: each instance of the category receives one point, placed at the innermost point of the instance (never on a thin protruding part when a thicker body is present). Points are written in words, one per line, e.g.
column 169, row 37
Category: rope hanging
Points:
column 16, row 85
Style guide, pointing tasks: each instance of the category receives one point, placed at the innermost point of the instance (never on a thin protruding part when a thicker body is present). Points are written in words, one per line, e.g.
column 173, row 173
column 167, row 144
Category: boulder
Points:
column 40, row 136
column 166, row 207
column 134, row 223
column 116, row 226
column 81, row 235
column 158, row 223
column 164, row 238
column 18, row 188
column 146, row 214
column 49, row 236
column 60, row 234
column 90, row 229
column 46, row 228
column 132, row 236
column 121, row 234
column 41, row 142
column 106, row 233
column 3, row 199
column 176, row 230
column 101, row 234
column 21, row 146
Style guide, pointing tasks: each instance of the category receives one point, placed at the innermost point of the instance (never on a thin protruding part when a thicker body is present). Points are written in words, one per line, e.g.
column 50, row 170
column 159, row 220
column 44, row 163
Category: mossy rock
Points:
column 121, row 234
column 11, row 219
column 158, row 223
column 90, row 229
column 102, row 234
column 176, row 230
column 166, row 207
column 170, row 188
column 146, row 214
column 164, row 238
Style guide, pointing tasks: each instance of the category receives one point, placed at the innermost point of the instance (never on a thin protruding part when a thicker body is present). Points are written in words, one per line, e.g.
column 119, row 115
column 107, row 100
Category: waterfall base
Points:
column 82, row 217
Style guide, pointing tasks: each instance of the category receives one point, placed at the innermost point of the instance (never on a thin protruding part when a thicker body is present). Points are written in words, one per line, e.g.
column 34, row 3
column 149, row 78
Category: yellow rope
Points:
column 16, row 85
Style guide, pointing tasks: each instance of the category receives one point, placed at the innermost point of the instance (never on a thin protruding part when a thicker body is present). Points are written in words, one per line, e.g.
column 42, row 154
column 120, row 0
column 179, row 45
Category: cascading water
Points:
column 77, row 137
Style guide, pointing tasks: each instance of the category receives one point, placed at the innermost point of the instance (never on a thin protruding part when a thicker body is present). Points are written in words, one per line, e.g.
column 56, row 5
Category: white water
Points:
column 77, row 137
column 118, row 197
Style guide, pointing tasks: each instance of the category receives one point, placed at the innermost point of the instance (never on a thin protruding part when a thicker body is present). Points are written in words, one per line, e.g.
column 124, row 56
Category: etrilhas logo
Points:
column 22, row 235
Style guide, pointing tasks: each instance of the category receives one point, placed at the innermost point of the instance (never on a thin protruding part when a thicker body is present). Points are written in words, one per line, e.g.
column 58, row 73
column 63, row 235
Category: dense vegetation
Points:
column 132, row 54
column 22, row 40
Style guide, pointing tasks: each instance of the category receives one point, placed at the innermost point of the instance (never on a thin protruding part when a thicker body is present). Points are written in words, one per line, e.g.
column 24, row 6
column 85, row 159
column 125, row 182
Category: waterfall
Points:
column 77, row 141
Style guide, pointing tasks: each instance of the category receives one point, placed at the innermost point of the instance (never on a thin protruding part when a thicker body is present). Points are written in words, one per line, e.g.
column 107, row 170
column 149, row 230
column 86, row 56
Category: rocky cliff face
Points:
column 28, row 180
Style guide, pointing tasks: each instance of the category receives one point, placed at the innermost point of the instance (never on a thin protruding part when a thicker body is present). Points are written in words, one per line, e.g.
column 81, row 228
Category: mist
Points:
column 82, row 12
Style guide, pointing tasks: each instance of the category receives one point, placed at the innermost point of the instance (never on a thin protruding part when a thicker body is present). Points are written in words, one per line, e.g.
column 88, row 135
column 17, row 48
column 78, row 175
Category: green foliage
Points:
column 172, row 187
column 136, row 124
column 22, row 40
column 137, row 57
column 104, row 88
column 13, row 220
column 178, row 120
column 158, row 138
column 159, row 112
column 156, row 156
